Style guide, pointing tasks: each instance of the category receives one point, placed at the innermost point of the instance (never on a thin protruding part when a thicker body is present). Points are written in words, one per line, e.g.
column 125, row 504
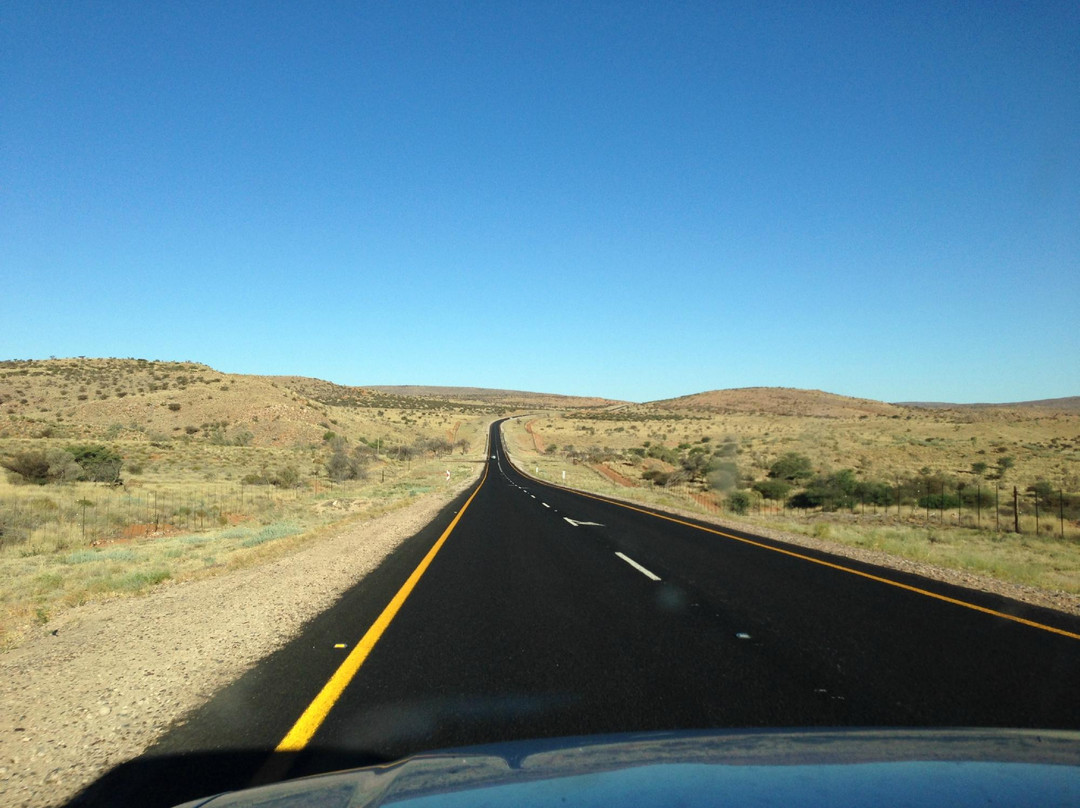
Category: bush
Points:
column 99, row 463
column 63, row 466
column 655, row 476
column 663, row 453
column 939, row 502
column 287, row 477
column 793, row 467
column 738, row 502
column 875, row 493
column 722, row 475
column 174, row 406
column 31, row 467
column 345, row 466
column 773, row 489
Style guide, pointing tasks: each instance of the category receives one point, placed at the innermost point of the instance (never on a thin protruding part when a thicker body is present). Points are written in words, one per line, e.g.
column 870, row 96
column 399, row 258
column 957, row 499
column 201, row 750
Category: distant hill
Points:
column 127, row 398
column 84, row 398
column 1067, row 404
column 780, row 401
column 508, row 398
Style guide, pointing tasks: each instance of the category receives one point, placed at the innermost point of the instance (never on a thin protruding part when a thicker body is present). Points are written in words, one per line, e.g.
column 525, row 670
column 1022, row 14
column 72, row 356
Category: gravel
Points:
column 100, row 683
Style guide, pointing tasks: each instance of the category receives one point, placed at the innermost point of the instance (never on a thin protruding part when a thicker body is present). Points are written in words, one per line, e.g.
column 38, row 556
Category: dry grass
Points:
column 87, row 541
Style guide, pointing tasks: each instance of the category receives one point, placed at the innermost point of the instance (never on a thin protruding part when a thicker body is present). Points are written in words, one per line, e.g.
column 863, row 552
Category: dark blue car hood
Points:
column 803, row 768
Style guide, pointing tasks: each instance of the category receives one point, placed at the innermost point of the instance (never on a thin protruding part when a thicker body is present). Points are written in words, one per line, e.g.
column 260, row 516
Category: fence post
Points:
column 1016, row 510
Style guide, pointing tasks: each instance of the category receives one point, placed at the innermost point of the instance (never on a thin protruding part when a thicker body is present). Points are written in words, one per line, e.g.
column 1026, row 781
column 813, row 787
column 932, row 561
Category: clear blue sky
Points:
column 632, row 200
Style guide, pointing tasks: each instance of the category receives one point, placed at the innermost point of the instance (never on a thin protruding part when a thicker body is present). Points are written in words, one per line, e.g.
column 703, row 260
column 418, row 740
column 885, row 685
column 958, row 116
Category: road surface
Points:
column 533, row 611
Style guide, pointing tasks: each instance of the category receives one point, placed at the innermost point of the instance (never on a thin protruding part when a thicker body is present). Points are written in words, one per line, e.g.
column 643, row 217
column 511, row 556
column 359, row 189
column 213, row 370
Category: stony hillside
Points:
column 135, row 399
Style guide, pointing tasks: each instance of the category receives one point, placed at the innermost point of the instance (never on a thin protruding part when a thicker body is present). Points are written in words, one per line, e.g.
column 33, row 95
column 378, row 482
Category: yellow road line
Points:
column 831, row 565
column 312, row 718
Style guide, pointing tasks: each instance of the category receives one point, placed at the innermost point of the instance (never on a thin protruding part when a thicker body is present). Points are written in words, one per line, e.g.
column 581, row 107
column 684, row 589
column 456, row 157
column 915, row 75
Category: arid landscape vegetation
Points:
column 121, row 474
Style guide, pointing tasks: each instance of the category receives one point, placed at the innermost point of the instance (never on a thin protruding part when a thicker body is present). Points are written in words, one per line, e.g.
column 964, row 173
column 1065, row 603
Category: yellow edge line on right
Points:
column 829, row 564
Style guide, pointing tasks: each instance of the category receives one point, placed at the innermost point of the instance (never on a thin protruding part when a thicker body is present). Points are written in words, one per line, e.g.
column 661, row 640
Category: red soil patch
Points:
column 139, row 530
column 707, row 500
column 537, row 442
column 613, row 475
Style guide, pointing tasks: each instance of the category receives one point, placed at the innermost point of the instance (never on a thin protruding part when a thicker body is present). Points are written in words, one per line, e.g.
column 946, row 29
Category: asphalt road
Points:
column 530, row 622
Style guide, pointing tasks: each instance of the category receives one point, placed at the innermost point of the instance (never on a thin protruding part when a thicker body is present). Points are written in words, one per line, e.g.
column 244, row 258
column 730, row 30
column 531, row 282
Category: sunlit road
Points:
column 550, row 613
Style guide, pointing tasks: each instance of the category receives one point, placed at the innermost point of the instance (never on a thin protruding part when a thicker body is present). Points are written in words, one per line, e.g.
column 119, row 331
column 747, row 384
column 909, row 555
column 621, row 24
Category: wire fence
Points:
column 1033, row 510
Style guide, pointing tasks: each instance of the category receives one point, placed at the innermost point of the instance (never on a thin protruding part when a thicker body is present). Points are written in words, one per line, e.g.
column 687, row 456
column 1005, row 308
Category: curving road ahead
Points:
column 535, row 611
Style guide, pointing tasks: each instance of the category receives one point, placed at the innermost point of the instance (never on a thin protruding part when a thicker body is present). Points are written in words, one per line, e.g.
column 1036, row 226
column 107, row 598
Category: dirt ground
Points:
column 96, row 686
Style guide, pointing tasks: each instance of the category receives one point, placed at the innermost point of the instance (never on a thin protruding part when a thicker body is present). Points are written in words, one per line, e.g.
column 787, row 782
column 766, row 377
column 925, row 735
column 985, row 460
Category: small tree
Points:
column 1004, row 464
column 792, row 467
column 100, row 464
column 1043, row 491
column 62, row 466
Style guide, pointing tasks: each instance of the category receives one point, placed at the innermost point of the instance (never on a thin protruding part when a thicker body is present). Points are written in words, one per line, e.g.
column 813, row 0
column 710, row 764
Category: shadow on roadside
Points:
column 164, row 781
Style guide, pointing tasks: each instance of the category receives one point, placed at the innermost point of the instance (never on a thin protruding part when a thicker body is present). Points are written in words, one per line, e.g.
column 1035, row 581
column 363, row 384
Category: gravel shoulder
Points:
column 100, row 683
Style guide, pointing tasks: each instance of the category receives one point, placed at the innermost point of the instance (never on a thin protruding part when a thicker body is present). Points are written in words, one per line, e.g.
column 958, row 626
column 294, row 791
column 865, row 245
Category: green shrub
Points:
column 99, row 463
column 792, row 466
column 773, row 489
column 738, row 502
column 655, row 476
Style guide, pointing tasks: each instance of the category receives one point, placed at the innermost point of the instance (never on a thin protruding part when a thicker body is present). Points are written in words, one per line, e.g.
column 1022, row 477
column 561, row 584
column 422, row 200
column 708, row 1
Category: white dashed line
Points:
column 638, row 567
